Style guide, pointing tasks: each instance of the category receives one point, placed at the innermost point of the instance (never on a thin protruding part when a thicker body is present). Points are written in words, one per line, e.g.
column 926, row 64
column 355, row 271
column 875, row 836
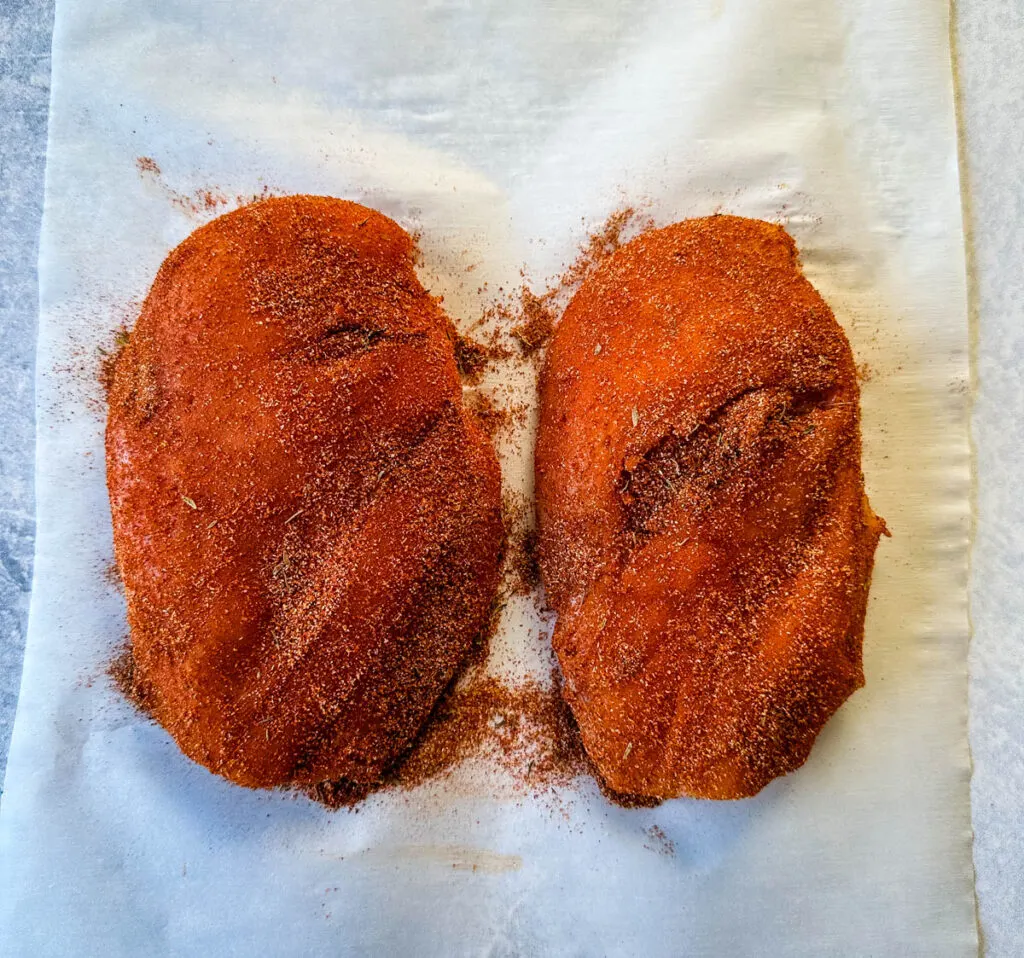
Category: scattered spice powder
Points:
column 530, row 317
column 524, row 562
column 112, row 575
column 472, row 358
column 521, row 573
column 108, row 357
column 129, row 683
column 494, row 419
column 661, row 843
column 200, row 201
column 526, row 730
column 601, row 244
column 538, row 321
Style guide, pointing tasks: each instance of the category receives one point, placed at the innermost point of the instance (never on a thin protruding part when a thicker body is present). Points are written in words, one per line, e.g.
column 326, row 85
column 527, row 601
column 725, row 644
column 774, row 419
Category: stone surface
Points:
column 989, row 37
column 25, row 27
column 990, row 51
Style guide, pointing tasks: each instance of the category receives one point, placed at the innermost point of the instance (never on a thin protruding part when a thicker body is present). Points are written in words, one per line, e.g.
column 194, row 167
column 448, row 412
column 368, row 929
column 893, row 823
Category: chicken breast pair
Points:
column 308, row 520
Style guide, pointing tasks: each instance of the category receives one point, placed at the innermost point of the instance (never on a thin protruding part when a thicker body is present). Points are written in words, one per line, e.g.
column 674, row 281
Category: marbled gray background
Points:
column 25, row 27
column 989, row 42
column 989, row 47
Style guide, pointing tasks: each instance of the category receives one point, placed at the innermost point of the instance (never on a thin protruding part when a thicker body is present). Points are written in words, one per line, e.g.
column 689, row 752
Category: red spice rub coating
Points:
column 704, row 533
column 307, row 521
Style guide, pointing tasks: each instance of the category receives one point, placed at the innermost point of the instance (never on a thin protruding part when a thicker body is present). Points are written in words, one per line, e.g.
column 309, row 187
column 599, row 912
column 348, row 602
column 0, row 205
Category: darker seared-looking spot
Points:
column 743, row 434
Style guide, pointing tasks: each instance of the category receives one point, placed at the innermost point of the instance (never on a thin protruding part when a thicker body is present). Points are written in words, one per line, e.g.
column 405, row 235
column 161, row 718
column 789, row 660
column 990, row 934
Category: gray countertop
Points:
column 989, row 46
column 25, row 27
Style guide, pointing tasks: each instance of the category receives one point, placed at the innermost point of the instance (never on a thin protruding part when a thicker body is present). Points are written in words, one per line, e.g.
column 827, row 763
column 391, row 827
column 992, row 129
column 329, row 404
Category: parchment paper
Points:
column 502, row 132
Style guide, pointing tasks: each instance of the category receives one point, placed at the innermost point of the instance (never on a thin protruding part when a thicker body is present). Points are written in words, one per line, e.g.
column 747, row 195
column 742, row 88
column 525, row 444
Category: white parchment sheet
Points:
column 504, row 131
